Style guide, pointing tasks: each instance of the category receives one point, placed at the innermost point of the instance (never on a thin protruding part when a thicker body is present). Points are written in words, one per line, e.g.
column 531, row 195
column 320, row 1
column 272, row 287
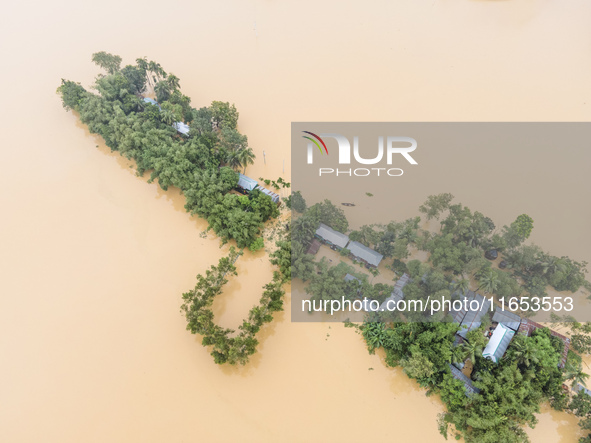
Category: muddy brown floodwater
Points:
column 93, row 260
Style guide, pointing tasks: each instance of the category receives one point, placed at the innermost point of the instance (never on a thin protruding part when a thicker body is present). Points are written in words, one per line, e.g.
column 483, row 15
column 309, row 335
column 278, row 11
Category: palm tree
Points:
column 142, row 64
column 488, row 281
column 233, row 160
column 458, row 354
column 173, row 82
column 550, row 265
column 576, row 374
column 162, row 90
column 522, row 352
column 471, row 350
column 245, row 157
column 156, row 70
column 462, row 286
column 473, row 237
column 167, row 116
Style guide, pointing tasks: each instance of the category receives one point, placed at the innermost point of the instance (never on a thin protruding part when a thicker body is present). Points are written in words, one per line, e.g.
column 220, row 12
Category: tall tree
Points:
column 488, row 281
column 435, row 205
column 162, row 90
column 576, row 375
column 173, row 82
column 109, row 62
column 245, row 157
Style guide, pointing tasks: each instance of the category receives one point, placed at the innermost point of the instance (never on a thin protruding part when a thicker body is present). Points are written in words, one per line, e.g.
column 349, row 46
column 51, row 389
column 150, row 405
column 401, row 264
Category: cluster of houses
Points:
column 337, row 240
column 505, row 325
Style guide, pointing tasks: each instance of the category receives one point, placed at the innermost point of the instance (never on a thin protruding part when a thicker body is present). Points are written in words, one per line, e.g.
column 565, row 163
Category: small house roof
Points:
column 402, row 281
column 349, row 277
column 246, row 182
column 274, row 196
column 151, row 101
column 473, row 315
column 183, row 128
column 397, row 293
column 314, row 247
column 508, row 318
column 581, row 388
column 457, row 374
column 394, row 298
column 330, row 235
column 366, row 254
column 498, row 343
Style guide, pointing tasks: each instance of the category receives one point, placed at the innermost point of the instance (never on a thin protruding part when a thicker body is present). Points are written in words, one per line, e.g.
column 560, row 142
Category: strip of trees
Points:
column 228, row 345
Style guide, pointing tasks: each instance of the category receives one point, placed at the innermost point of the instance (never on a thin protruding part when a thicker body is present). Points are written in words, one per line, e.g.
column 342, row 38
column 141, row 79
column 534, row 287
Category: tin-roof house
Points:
column 581, row 388
column 365, row 254
column 508, row 318
column 349, row 277
column 247, row 184
column 332, row 237
column 181, row 127
column 151, row 101
column 470, row 318
column 498, row 343
column 397, row 293
column 459, row 375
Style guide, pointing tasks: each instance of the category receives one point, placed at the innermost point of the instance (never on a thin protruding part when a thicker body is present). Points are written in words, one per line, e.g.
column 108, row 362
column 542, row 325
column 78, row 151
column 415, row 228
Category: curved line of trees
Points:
column 200, row 165
column 228, row 347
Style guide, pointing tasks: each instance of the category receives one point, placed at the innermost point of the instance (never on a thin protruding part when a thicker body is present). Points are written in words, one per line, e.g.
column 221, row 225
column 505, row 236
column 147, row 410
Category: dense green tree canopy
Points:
column 108, row 62
column 144, row 133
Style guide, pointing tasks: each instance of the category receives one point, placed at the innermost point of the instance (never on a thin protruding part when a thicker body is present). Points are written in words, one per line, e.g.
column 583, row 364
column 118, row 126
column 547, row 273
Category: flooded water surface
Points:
column 94, row 260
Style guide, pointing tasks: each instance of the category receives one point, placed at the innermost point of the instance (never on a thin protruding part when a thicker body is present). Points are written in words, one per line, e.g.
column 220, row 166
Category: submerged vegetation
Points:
column 201, row 161
column 227, row 347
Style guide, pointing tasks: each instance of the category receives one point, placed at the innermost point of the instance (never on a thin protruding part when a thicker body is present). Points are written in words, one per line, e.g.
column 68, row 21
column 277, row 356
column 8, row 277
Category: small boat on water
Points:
column 348, row 204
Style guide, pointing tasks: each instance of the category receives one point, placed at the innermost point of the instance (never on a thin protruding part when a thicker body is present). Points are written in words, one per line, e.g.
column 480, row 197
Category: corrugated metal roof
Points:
column 580, row 388
column 314, row 247
column 183, row 128
column 364, row 253
column 271, row 194
column 459, row 314
column 457, row 374
column 249, row 184
column 498, row 343
column 246, row 182
column 350, row 277
column 402, row 281
column 473, row 317
column 330, row 235
column 397, row 293
column 508, row 318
